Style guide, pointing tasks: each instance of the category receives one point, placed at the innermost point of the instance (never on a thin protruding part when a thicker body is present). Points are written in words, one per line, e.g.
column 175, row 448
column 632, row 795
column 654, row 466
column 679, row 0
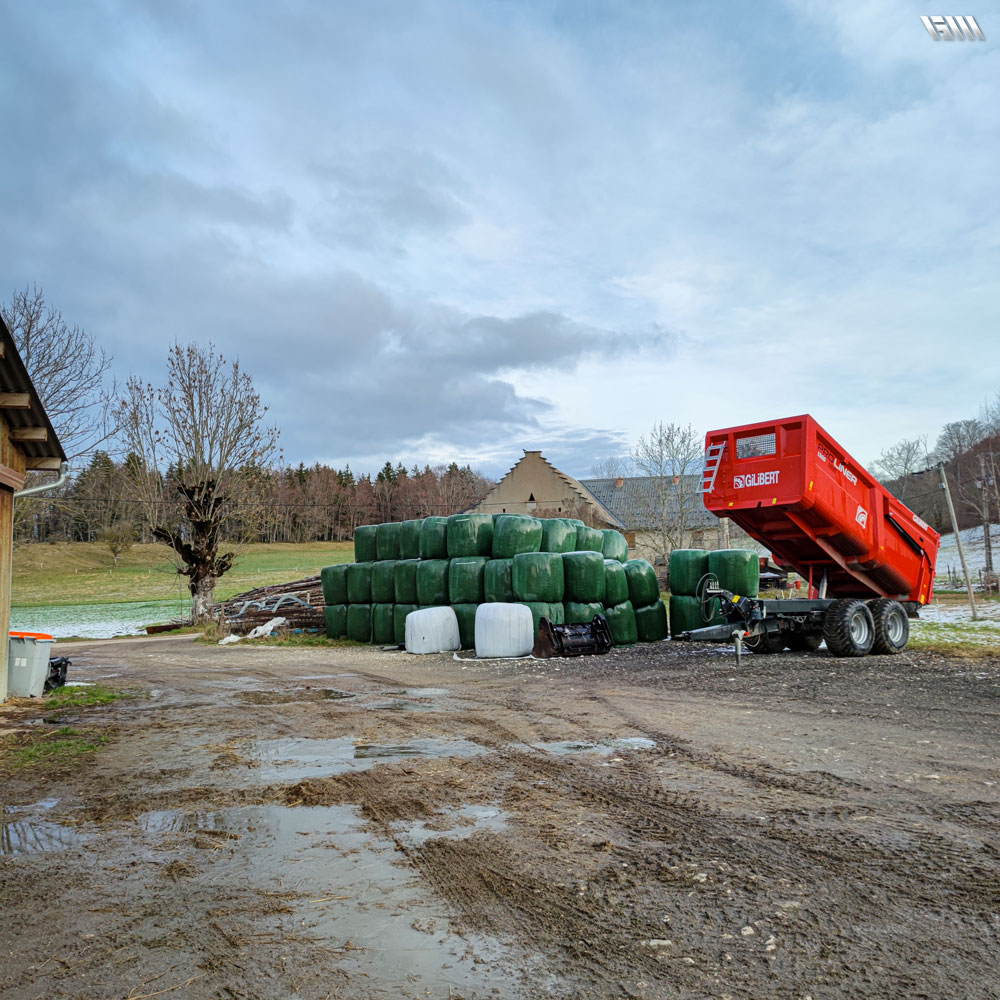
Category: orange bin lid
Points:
column 32, row 635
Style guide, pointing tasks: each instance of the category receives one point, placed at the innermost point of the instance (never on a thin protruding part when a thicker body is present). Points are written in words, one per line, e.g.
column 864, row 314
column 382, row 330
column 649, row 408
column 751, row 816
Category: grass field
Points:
column 83, row 573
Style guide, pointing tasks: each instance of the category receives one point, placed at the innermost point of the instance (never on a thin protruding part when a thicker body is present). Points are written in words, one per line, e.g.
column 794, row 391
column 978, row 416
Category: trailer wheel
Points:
column 848, row 628
column 764, row 642
column 805, row 642
column 892, row 627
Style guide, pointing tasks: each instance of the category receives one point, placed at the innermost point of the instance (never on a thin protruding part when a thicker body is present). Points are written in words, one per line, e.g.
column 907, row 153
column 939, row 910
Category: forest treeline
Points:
column 301, row 504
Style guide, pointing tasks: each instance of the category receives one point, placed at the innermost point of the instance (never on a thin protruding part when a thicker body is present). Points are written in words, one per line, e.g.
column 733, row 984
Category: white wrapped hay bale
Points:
column 432, row 630
column 504, row 630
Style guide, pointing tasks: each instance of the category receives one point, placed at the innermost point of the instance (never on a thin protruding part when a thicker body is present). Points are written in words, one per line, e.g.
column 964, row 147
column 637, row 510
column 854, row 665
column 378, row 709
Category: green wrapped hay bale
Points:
column 383, row 625
column 621, row 622
column 589, row 540
column 366, row 543
column 434, row 538
column 384, row 582
column 336, row 620
column 466, row 615
column 615, row 583
column 399, row 613
column 409, row 538
column 465, row 579
column 544, row 609
column 432, row 582
column 643, row 588
column 470, row 535
column 583, row 573
column 581, row 611
column 615, row 546
column 685, row 614
column 538, row 577
column 404, row 579
column 387, row 540
column 334, row 579
column 575, row 521
column 687, row 567
column 514, row 533
column 498, row 585
column 738, row 570
column 359, row 583
column 359, row 622
column 651, row 622
column 558, row 535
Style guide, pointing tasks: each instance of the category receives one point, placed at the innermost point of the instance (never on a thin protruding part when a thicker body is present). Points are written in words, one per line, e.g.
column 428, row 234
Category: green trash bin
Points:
column 28, row 663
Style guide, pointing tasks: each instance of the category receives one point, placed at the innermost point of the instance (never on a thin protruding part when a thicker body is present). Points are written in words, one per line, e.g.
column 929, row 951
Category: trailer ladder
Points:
column 713, row 458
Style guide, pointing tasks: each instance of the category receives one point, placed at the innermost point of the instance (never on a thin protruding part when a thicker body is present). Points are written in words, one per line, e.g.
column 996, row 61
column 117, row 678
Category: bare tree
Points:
column 611, row 467
column 201, row 445
column 67, row 368
column 896, row 464
column 670, row 457
column 957, row 438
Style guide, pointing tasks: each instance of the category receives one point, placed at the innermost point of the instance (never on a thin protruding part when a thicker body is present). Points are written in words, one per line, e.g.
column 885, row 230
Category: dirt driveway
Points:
column 309, row 823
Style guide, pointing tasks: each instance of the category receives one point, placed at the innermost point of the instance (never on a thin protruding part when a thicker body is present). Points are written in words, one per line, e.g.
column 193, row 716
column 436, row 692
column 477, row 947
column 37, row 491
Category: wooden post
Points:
column 958, row 540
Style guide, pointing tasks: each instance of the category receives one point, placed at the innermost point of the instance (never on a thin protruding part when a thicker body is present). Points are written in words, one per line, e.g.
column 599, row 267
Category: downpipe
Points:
column 64, row 471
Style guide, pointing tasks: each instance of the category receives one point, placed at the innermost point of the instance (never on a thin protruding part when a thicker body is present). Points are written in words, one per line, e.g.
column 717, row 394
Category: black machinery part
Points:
column 577, row 639
column 56, row 676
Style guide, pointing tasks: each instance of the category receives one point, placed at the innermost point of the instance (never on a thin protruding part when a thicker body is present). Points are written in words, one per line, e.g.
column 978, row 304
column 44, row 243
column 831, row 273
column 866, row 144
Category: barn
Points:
column 27, row 442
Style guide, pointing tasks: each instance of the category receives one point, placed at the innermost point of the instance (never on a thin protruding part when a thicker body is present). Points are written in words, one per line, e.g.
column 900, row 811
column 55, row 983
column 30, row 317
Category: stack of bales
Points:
column 557, row 567
column 738, row 570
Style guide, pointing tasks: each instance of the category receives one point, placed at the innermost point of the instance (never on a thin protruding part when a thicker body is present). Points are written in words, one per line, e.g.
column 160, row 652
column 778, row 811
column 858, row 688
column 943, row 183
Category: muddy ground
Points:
column 661, row 822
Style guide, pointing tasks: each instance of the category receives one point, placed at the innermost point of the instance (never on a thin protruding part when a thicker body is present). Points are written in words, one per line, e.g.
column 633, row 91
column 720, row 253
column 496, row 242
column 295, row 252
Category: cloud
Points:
column 456, row 230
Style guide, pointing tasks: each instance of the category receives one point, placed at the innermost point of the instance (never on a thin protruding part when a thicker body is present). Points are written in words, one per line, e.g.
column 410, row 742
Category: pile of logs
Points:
column 255, row 607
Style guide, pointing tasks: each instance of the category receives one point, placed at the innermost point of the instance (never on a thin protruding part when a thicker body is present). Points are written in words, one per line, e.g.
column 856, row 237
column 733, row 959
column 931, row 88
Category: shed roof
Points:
column 634, row 502
column 31, row 429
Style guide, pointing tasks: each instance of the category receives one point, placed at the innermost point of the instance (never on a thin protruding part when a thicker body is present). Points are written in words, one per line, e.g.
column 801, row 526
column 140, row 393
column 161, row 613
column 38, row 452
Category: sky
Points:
column 438, row 231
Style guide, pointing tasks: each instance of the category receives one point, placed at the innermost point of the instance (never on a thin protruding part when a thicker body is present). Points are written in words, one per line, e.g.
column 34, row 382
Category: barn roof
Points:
column 635, row 502
column 22, row 409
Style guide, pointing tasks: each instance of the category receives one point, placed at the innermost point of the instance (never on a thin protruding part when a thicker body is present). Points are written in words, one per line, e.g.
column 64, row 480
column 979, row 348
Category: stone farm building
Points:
column 630, row 504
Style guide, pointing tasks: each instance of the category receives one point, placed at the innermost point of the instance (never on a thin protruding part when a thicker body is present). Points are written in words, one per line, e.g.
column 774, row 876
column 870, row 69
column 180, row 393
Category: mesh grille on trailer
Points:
column 758, row 444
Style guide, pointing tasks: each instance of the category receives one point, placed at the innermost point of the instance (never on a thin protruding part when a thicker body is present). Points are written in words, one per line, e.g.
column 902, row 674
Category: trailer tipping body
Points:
column 789, row 485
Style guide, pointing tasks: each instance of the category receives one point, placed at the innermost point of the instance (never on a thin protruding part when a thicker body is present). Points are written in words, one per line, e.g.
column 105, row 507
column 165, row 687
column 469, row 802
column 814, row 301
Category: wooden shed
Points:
column 27, row 442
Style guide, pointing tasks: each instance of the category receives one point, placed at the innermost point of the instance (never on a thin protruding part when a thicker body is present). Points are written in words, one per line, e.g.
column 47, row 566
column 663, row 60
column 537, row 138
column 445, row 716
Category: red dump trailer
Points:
column 868, row 558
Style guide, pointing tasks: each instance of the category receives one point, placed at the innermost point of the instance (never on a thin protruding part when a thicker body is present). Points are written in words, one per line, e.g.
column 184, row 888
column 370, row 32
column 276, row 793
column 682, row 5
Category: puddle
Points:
column 400, row 705
column 560, row 747
column 464, row 822
column 79, row 684
column 357, row 894
column 297, row 759
column 418, row 748
column 22, row 832
column 330, row 695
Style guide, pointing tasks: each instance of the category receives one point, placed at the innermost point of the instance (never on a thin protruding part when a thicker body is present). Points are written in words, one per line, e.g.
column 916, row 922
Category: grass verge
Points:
column 52, row 749
column 962, row 640
column 83, row 697
column 83, row 572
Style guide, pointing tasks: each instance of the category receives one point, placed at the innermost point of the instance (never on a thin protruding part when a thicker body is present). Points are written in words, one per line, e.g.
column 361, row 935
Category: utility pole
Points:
column 985, row 482
column 958, row 540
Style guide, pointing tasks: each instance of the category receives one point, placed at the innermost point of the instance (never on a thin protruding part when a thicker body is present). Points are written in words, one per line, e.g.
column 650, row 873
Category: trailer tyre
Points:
column 892, row 627
column 765, row 642
column 805, row 642
column 849, row 629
